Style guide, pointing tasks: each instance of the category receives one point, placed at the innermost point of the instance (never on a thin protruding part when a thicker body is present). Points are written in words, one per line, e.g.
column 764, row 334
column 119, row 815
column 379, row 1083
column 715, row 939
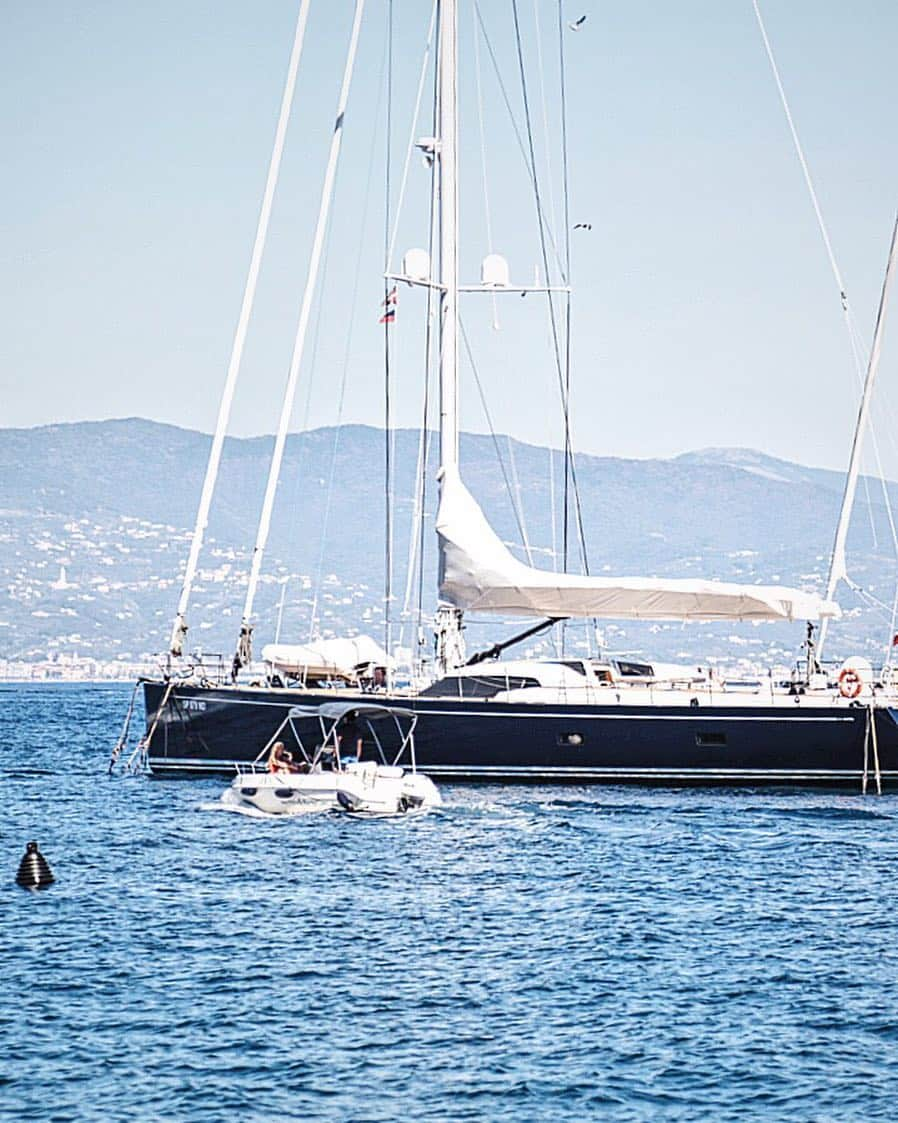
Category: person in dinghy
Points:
column 281, row 762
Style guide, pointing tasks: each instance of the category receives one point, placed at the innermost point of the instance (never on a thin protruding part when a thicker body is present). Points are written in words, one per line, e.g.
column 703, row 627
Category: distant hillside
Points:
column 112, row 502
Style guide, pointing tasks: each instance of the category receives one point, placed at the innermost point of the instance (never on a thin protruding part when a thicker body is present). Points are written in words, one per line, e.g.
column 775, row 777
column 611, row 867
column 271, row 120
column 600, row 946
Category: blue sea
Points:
column 522, row 954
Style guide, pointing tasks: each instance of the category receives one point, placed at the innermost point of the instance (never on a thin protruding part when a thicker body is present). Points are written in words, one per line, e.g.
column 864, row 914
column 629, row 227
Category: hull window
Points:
column 708, row 739
column 477, row 686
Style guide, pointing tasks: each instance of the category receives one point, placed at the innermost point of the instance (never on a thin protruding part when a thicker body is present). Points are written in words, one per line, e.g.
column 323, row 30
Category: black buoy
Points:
column 34, row 871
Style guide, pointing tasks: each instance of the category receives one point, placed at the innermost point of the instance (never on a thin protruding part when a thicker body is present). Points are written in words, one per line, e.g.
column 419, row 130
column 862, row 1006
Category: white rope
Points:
column 179, row 628
column 870, row 736
column 126, row 729
column 137, row 759
column 296, row 360
column 866, row 771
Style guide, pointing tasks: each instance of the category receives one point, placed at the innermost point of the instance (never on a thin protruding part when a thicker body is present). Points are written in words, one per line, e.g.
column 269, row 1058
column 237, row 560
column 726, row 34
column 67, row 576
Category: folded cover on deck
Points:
column 341, row 657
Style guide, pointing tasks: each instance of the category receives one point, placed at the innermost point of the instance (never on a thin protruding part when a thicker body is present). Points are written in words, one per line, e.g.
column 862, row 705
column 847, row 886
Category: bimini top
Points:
column 338, row 710
column 478, row 573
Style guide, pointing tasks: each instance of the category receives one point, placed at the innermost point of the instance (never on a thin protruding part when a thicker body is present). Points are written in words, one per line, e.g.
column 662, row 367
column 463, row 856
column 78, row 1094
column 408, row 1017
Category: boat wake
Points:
column 227, row 803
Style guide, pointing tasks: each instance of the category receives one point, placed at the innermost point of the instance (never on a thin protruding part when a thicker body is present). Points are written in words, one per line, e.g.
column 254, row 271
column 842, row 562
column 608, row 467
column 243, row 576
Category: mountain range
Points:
column 96, row 518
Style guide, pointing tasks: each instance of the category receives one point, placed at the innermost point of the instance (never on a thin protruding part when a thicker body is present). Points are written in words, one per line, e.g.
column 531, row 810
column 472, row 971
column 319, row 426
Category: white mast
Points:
column 838, row 569
column 244, row 643
column 179, row 628
column 450, row 650
column 447, row 194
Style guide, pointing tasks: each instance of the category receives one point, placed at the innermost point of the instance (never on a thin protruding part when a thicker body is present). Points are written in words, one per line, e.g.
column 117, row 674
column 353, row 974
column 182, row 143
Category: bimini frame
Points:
column 330, row 716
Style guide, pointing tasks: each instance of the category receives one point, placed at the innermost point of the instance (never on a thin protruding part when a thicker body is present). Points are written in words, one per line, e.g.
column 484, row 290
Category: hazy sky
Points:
column 136, row 140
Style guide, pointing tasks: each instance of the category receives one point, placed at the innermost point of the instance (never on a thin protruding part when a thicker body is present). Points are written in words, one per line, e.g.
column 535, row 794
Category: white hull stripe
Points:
column 170, row 764
column 615, row 713
column 705, row 715
column 724, row 773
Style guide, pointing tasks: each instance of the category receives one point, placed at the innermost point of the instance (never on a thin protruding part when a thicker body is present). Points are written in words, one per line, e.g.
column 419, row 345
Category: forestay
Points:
column 478, row 573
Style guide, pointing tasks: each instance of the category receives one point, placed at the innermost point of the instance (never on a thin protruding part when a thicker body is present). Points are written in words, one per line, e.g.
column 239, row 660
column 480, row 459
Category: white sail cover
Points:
column 327, row 657
column 479, row 574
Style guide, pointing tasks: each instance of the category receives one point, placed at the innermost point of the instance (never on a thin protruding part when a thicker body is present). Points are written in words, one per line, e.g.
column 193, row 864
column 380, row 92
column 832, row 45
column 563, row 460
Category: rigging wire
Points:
column 518, row 514
column 303, row 435
column 563, row 386
column 567, row 262
column 550, row 178
column 350, row 334
column 552, row 506
column 410, row 147
column 416, row 524
column 429, row 367
column 243, row 653
column 893, row 617
column 855, row 344
column 388, row 423
column 414, row 128
column 804, row 164
column 566, row 203
column 484, row 176
column 313, row 362
column 414, row 527
column 838, row 567
column 515, row 127
column 869, row 597
column 569, row 452
column 517, row 493
column 857, row 347
column 179, row 627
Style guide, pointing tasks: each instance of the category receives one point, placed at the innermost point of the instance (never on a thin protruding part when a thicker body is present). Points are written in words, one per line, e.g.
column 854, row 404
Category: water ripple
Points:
column 524, row 954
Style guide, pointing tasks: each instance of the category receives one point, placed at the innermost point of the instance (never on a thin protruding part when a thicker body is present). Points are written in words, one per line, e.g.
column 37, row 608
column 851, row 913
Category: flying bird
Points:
column 577, row 24
column 583, row 226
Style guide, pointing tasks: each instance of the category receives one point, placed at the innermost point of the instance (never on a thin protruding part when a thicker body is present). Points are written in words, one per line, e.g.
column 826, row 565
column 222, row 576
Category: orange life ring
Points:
column 850, row 683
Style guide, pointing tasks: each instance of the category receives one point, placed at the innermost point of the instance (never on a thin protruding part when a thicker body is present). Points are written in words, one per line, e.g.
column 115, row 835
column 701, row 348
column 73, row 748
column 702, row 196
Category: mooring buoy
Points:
column 34, row 870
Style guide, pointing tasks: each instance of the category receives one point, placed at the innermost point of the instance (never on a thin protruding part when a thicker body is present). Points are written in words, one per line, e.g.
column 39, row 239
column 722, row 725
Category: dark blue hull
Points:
column 210, row 729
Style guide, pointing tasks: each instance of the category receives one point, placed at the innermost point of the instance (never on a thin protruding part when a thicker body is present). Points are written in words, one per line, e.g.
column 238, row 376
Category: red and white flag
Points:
column 389, row 306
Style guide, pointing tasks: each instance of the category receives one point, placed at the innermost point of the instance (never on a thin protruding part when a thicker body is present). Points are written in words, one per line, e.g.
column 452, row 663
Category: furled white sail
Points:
column 479, row 574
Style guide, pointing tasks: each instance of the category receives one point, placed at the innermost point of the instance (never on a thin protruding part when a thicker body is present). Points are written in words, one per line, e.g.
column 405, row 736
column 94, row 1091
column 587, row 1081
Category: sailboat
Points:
column 556, row 719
